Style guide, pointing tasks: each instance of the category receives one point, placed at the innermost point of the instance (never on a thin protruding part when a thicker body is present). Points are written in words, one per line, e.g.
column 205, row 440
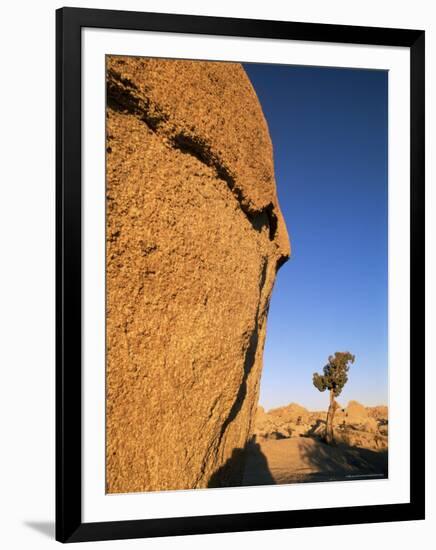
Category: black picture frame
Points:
column 69, row 525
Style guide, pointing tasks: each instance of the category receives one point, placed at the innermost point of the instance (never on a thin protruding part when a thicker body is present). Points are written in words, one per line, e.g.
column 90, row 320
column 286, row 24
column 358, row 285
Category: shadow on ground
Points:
column 245, row 463
column 308, row 459
column 46, row 528
column 342, row 462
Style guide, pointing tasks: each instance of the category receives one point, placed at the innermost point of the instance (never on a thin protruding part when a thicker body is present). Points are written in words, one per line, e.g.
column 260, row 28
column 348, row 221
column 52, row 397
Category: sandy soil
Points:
column 305, row 459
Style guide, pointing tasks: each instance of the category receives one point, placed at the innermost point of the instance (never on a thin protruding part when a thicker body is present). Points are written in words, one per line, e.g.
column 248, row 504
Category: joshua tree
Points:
column 334, row 378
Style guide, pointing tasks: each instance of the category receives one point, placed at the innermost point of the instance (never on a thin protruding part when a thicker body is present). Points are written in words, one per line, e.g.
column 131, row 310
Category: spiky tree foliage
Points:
column 333, row 379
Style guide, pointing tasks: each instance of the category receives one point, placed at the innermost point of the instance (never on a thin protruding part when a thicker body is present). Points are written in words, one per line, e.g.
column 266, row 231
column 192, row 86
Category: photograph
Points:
column 215, row 283
column 246, row 274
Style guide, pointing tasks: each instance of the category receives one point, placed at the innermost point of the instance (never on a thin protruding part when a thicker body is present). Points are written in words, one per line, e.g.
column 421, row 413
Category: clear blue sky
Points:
column 329, row 131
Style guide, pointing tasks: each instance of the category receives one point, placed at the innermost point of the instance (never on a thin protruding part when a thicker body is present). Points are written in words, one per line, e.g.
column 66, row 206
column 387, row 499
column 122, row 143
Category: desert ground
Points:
column 288, row 447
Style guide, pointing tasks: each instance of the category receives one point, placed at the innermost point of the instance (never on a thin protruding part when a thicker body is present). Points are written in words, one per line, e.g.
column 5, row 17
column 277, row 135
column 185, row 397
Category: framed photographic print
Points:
column 240, row 275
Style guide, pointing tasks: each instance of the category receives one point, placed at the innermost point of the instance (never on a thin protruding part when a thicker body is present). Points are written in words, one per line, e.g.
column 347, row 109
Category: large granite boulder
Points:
column 195, row 237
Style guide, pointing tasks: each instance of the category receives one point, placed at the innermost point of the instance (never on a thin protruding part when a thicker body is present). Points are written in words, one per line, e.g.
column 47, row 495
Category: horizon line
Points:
column 317, row 409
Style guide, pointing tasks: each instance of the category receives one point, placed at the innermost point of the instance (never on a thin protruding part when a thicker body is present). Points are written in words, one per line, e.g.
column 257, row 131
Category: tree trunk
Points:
column 329, row 436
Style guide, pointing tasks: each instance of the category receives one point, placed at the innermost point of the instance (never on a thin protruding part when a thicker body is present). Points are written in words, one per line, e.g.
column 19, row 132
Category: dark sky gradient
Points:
column 329, row 131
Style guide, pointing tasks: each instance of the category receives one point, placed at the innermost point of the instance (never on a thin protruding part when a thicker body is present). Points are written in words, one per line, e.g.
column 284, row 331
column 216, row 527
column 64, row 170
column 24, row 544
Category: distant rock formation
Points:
column 292, row 412
column 355, row 412
column 282, row 422
column 194, row 240
column 380, row 412
column 356, row 425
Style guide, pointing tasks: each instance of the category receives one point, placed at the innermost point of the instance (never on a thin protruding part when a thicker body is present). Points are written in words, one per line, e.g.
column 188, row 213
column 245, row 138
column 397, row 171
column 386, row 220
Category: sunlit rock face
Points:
column 194, row 240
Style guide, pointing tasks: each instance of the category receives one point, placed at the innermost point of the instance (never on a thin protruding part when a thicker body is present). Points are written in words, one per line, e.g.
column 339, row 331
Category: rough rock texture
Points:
column 194, row 239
